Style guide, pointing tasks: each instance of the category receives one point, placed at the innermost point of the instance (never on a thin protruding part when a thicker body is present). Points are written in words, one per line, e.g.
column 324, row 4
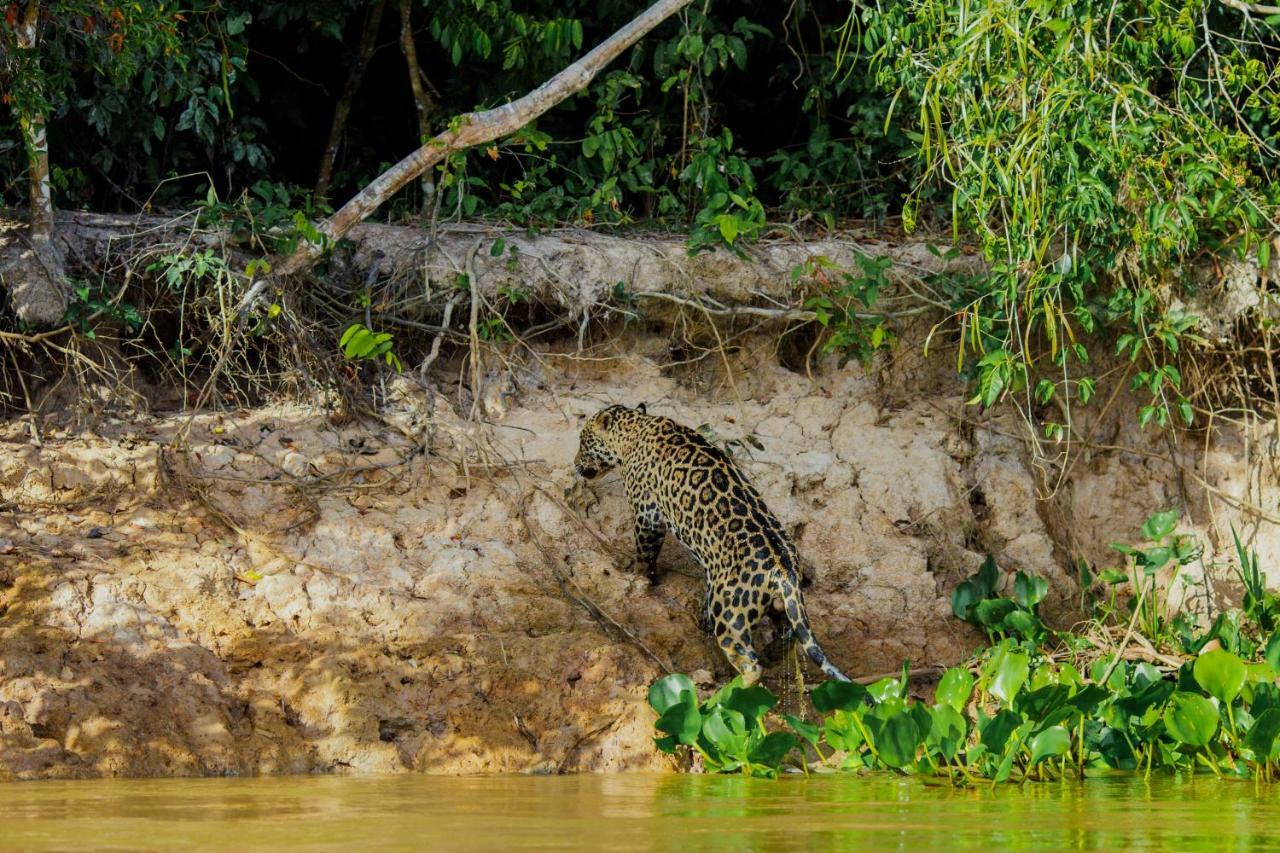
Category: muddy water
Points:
column 629, row 812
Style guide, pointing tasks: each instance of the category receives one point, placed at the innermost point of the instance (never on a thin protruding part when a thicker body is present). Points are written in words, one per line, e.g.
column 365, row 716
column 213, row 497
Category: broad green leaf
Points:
column 682, row 721
column 671, row 690
column 1272, row 653
column 1190, row 718
column 964, row 597
column 841, row 732
column 1221, row 674
column 1010, row 675
column 843, row 695
column 1029, row 590
column 808, row 731
column 1159, row 525
column 995, row 732
column 991, row 613
column 726, row 731
column 955, row 688
column 988, row 576
column 885, row 689
column 1051, row 742
column 947, row 730
column 750, row 702
column 773, row 748
column 1261, row 737
column 897, row 739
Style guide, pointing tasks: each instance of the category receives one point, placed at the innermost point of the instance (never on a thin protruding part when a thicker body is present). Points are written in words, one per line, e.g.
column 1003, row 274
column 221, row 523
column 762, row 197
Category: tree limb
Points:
column 1252, row 8
column 368, row 40
column 477, row 128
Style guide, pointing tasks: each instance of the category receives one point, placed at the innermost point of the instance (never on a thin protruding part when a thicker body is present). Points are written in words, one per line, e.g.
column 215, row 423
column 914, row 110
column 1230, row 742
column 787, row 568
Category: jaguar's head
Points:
column 604, row 439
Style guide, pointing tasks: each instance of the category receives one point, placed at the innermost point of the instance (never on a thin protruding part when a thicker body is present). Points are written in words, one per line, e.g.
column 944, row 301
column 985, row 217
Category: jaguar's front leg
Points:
column 651, row 530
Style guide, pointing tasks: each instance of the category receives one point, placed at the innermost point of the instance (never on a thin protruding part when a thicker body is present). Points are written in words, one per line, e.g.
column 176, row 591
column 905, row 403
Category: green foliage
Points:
column 90, row 307
column 1025, row 716
column 976, row 601
column 359, row 342
column 1096, row 150
column 854, row 333
column 726, row 730
column 165, row 84
column 1022, row 709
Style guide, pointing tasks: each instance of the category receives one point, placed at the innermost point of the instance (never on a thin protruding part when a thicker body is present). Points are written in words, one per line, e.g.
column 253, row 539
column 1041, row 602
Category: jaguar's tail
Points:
column 793, row 605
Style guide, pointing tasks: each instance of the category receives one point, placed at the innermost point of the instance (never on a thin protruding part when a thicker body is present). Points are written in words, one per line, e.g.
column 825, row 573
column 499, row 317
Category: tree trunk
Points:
column 422, row 100
column 473, row 129
column 368, row 40
column 34, row 274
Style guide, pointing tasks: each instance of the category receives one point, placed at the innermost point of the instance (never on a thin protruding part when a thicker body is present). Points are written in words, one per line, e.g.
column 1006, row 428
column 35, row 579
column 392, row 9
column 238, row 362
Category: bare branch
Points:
column 1252, row 8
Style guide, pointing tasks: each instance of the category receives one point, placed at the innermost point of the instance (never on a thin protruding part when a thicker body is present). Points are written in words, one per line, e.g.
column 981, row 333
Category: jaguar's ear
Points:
column 604, row 420
column 642, row 409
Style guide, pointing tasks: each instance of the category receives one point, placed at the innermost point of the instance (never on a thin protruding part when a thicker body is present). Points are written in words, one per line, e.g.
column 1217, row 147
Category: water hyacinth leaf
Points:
column 842, row 732
column 1006, row 767
column 1029, row 590
column 963, row 598
column 839, row 695
column 1191, row 718
column 1261, row 737
column 1024, row 623
column 924, row 720
column 995, row 732
column 991, row 613
column 897, row 739
column 750, row 702
column 726, row 731
column 1145, row 673
column 1010, row 675
column 808, row 731
column 666, row 744
column 947, row 730
column 1149, row 696
column 682, row 721
column 885, row 690
column 1051, row 742
column 1115, row 750
column 1265, row 697
column 671, row 690
column 1159, row 525
column 955, row 688
column 1068, row 674
column 773, row 748
column 988, row 576
column 1038, row 704
column 1221, row 674
column 1272, row 653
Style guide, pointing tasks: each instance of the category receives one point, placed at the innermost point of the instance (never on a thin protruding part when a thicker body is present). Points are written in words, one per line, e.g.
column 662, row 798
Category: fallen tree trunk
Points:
column 572, row 270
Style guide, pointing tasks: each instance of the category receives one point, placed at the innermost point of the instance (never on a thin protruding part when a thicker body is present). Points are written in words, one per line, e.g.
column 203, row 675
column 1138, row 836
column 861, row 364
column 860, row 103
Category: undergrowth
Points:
column 1035, row 704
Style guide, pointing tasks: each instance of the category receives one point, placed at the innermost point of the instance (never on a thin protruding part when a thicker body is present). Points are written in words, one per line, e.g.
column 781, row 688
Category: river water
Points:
column 637, row 812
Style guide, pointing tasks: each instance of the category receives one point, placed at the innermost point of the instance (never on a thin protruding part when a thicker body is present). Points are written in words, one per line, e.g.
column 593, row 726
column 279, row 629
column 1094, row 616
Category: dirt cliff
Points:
column 267, row 591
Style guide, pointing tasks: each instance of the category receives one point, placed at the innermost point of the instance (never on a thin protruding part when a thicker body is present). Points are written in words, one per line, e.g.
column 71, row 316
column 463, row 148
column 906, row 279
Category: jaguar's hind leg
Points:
column 734, row 639
column 783, row 636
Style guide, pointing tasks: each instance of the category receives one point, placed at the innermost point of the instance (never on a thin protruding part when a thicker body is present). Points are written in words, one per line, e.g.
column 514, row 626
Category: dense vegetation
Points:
column 1034, row 703
column 1102, row 156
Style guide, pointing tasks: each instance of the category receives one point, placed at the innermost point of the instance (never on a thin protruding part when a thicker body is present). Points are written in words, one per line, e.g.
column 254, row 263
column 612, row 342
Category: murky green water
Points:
column 636, row 812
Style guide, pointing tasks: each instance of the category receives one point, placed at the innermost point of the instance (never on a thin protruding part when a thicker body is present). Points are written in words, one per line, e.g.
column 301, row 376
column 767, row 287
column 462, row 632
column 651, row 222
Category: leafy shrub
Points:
column 1095, row 150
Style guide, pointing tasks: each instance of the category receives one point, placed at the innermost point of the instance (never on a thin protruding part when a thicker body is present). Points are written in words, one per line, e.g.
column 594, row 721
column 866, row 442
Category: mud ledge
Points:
column 279, row 591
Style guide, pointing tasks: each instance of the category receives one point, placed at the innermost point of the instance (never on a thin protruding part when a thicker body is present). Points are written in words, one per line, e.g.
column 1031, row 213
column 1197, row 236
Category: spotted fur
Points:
column 677, row 480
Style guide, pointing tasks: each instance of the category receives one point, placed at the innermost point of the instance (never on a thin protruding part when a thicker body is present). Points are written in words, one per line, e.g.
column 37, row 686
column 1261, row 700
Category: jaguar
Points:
column 676, row 480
